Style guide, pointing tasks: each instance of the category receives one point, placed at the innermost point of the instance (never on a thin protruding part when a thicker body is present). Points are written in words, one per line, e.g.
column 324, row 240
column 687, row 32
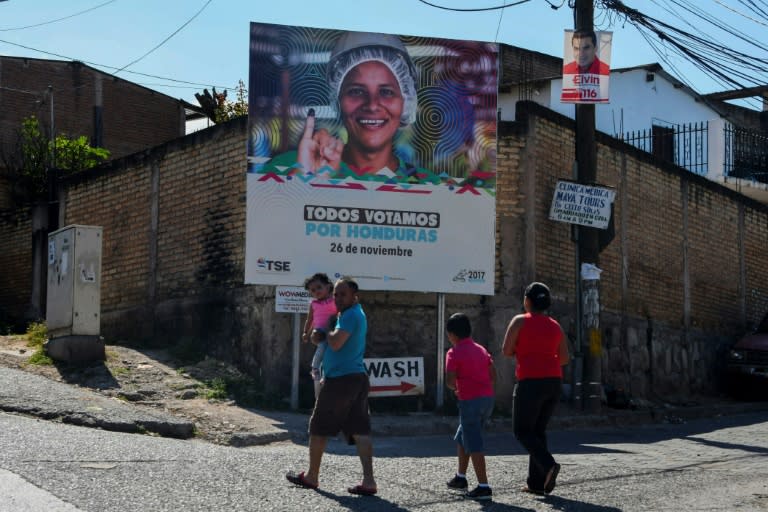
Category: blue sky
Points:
column 212, row 49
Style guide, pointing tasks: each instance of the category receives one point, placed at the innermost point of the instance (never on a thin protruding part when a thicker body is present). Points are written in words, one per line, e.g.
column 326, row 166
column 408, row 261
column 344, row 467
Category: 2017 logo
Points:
column 470, row 276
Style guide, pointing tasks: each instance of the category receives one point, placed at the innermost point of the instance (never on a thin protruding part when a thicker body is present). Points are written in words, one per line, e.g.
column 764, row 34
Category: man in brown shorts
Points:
column 342, row 404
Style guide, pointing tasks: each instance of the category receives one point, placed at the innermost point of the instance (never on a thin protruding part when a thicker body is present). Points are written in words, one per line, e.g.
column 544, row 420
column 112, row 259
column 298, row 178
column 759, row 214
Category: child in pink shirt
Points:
column 322, row 311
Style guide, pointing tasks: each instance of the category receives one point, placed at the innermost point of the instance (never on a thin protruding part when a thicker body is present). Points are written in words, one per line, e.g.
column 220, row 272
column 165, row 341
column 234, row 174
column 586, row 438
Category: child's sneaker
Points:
column 457, row 482
column 480, row 493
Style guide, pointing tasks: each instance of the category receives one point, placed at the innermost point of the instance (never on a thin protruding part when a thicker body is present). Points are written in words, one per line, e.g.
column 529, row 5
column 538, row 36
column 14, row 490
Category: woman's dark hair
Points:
column 459, row 325
column 322, row 277
column 538, row 293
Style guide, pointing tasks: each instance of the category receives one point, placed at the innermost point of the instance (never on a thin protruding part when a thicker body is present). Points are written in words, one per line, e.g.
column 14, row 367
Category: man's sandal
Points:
column 300, row 480
column 362, row 490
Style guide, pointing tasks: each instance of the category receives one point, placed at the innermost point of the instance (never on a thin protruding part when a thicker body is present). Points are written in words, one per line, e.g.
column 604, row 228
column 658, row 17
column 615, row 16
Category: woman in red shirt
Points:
column 539, row 344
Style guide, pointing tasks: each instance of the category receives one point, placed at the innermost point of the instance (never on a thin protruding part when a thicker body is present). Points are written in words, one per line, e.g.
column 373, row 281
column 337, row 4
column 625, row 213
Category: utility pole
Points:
column 587, row 238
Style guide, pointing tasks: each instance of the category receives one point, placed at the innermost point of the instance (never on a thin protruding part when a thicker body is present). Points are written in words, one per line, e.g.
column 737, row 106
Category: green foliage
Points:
column 216, row 389
column 37, row 154
column 227, row 110
column 40, row 358
column 37, row 334
column 76, row 155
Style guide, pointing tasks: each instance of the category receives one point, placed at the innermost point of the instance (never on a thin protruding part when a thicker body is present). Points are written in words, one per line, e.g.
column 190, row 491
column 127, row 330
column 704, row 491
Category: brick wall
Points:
column 682, row 278
column 134, row 117
column 16, row 266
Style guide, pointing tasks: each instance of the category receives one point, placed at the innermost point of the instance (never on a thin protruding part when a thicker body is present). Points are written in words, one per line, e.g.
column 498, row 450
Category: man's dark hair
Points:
column 583, row 34
column 458, row 324
column 349, row 282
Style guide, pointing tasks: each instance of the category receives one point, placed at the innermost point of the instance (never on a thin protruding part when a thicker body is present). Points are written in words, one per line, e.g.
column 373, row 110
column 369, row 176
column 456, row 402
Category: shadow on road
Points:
column 348, row 502
column 573, row 442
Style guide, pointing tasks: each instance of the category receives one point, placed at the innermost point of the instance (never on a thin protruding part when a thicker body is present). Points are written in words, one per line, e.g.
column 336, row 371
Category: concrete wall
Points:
column 683, row 277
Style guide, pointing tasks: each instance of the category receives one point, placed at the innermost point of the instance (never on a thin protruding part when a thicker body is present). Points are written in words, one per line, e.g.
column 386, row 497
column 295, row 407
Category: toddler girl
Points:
column 322, row 311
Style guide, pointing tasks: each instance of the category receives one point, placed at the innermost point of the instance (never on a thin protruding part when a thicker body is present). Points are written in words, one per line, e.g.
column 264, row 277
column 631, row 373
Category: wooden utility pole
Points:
column 587, row 238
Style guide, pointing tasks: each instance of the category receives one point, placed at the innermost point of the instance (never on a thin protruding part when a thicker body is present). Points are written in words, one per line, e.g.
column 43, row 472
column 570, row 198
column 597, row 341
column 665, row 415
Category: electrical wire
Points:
column 106, row 66
column 724, row 64
column 498, row 27
column 167, row 38
column 479, row 9
column 57, row 19
column 750, row 18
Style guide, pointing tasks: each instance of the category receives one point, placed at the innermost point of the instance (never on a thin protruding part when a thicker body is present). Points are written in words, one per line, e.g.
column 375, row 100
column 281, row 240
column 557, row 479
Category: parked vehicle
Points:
column 747, row 365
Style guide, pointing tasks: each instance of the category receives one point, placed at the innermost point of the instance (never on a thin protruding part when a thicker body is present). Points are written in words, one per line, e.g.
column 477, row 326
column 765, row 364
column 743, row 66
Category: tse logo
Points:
column 273, row 265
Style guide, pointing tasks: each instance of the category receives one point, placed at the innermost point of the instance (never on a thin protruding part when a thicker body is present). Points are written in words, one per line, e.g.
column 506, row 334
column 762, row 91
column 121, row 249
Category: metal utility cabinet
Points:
column 73, row 306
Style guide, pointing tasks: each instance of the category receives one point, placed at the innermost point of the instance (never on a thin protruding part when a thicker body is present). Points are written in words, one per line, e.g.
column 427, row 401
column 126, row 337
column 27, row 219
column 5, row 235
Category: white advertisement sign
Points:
column 371, row 156
column 586, row 205
column 291, row 299
column 397, row 376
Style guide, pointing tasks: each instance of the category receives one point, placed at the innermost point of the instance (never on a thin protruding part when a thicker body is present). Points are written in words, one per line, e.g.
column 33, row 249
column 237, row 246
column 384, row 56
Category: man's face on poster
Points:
column 371, row 105
column 584, row 51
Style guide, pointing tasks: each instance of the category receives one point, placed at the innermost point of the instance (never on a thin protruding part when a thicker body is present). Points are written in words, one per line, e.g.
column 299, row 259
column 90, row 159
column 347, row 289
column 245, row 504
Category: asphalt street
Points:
column 719, row 463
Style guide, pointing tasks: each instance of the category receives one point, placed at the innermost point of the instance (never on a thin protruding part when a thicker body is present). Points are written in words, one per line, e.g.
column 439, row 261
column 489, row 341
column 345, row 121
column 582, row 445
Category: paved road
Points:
column 708, row 464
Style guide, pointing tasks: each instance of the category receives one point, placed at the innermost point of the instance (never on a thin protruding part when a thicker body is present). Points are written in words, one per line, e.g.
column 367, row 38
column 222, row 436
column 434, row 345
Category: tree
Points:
column 218, row 109
column 29, row 163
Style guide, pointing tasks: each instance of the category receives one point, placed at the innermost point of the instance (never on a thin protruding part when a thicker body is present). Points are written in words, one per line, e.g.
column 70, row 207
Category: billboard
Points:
column 586, row 66
column 373, row 156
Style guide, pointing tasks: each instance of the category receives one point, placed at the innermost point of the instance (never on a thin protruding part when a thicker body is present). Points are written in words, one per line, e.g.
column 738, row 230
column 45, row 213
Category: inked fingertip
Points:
column 311, row 112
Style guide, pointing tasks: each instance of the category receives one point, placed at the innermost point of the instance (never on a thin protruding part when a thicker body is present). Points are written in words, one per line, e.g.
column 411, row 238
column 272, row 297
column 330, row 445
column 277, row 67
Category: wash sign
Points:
column 586, row 205
column 291, row 299
column 397, row 376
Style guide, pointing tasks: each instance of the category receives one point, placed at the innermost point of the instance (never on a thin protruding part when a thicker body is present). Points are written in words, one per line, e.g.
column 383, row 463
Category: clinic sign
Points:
column 586, row 205
column 395, row 376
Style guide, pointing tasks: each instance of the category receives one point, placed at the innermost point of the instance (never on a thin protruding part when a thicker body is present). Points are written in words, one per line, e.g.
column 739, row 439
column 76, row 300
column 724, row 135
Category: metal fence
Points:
column 746, row 154
column 684, row 145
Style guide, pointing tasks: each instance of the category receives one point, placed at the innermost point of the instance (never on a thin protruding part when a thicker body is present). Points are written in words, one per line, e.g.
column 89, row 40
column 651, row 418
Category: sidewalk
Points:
column 25, row 393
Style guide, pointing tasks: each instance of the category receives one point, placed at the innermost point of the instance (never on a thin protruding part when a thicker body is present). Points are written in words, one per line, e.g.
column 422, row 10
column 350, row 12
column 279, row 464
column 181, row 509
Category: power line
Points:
column 479, row 9
column 721, row 62
column 57, row 19
column 106, row 66
column 167, row 38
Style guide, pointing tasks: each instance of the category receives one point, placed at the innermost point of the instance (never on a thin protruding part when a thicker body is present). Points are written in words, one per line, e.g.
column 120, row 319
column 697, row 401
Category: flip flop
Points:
column 362, row 490
column 533, row 491
column 299, row 480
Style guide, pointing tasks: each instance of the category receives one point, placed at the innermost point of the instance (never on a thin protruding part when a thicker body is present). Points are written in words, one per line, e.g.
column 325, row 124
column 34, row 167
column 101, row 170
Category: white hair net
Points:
column 354, row 48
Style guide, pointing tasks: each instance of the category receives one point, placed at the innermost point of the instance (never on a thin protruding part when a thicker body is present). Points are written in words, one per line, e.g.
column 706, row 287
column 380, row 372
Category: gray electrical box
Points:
column 73, row 306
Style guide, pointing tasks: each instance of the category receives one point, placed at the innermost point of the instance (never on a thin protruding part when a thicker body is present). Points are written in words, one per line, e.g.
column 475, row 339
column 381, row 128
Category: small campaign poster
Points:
column 586, row 66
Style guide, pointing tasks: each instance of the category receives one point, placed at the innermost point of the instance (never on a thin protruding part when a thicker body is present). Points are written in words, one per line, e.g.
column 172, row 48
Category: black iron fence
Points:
column 684, row 145
column 744, row 152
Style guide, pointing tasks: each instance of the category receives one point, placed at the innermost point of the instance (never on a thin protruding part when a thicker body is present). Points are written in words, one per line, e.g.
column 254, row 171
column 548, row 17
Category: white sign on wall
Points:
column 409, row 204
column 395, row 376
column 291, row 299
column 587, row 205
